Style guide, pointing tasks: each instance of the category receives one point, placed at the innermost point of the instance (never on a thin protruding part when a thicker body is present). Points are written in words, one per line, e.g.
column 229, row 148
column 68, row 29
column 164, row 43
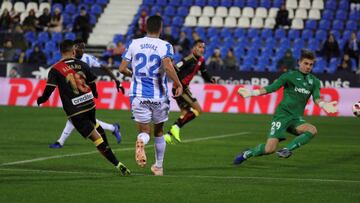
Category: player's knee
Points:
column 313, row 130
column 269, row 149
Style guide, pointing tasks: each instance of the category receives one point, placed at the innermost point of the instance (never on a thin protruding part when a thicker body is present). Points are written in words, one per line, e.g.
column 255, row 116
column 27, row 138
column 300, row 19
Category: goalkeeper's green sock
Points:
column 256, row 151
column 300, row 140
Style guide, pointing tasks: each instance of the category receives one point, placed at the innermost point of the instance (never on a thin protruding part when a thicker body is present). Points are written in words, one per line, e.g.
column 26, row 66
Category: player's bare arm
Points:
column 169, row 68
column 124, row 68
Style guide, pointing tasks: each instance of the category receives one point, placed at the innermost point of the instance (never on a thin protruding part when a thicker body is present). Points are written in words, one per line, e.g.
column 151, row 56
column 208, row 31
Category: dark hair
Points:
column 198, row 41
column 307, row 54
column 78, row 41
column 66, row 46
column 153, row 24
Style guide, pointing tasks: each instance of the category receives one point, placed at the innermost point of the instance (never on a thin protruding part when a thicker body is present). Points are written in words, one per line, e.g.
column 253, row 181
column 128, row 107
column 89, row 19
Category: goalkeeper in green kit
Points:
column 298, row 85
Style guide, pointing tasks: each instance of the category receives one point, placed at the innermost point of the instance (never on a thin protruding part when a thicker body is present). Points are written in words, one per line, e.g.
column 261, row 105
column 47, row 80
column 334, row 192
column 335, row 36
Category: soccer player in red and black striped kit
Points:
column 189, row 107
column 77, row 90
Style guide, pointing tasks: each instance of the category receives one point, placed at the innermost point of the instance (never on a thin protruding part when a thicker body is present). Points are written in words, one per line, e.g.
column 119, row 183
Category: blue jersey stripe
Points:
column 161, row 88
column 134, row 86
column 147, row 87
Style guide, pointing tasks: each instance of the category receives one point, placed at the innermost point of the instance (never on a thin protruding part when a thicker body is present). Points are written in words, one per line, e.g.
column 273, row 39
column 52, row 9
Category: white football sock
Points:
column 106, row 126
column 144, row 137
column 160, row 146
column 69, row 127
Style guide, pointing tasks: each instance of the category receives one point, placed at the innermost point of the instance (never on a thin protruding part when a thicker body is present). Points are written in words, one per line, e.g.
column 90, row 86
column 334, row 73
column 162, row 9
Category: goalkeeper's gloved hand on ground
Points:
column 248, row 93
column 329, row 107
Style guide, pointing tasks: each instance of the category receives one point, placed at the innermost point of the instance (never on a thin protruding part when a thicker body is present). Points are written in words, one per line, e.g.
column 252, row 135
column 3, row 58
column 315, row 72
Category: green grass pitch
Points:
column 198, row 170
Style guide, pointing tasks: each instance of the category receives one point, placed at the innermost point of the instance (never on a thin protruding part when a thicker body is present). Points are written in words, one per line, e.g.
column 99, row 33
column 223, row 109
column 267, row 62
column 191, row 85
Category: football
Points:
column 356, row 109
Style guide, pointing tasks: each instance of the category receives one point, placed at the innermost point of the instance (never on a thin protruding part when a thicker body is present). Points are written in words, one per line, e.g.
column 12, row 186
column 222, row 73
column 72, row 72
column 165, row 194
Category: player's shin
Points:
column 189, row 116
column 300, row 140
column 106, row 151
column 160, row 146
column 256, row 151
column 101, row 131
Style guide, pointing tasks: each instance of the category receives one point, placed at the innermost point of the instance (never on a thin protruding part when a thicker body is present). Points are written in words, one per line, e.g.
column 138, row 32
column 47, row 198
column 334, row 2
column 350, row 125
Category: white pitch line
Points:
column 122, row 149
column 191, row 176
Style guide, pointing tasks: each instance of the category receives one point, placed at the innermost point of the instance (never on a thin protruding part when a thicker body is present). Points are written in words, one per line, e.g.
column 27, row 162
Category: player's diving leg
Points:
column 69, row 127
column 114, row 128
column 187, row 115
column 106, row 151
column 142, row 139
column 306, row 132
column 261, row 149
column 160, row 146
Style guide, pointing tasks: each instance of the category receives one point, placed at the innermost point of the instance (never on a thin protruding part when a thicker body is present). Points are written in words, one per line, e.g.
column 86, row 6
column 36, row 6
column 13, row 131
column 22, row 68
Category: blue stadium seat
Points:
column 306, row 34
column 201, row 3
column 239, row 32
column 149, row 2
column 320, row 35
column 155, row 9
column 226, row 3
column 324, row 24
column 330, row 5
column 337, row 25
column 80, row 6
column 310, row 24
column 67, row 18
column 89, row 1
column 96, row 9
column 336, row 34
column 200, row 31
column 213, row 3
column 177, row 21
column 280, row 33
column 346, row 35
column 266, row 33
column 30, row 36
column 260, row 67
column 353, row 65
column 223, row 51
column 93, row 19
column 169, row 11
column 50, row 46
column 211, row 31
column 358, row 34
column 43, row 37
column 344, row 5
column 341, row 15
column 70, row 35
column 266, row 52
column 298, row 44
column 293, row 34
column 177, row 57
column 284, row 42
column 118, row 38
column 187, row 2
column 270, row 42
column 161, row 2
column 327, row 15
column 256, row 43
column 252, row 32
column 251, row 3
column 278, row 3
column 167, row 21
column 175, row 2
column 332, row 66
column 265, row 3
column 239, row 3
column 102, row 2
column 319, row 65
column 70, row 9
column 57, row 5
column 182, row 11
column 351, row 25
column 354, row 15
column 239, row 52
column 313, row 44
column 56, row 37
column 229, row 42
column 226, row 32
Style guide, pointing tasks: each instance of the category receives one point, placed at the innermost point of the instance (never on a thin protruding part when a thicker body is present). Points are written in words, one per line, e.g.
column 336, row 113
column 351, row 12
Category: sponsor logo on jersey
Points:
column 149, row 102
column 298, row 78
column 302, row 90
column 83, row 98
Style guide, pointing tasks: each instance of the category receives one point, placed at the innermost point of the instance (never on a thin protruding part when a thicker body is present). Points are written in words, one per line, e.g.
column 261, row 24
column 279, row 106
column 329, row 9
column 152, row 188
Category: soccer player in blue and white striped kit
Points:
column 151, row 61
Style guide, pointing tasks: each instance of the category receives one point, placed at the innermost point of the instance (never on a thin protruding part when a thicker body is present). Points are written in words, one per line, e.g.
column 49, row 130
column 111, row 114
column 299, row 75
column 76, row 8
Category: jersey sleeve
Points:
column 277, row 84
column 169, row 51
column 204, row 72
column 316, row 90
column 94, row 62
column 127, row 55
column 51, row 81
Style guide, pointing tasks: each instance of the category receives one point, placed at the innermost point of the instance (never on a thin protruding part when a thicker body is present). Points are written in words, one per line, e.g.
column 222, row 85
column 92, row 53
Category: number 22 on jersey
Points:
column 143, row 62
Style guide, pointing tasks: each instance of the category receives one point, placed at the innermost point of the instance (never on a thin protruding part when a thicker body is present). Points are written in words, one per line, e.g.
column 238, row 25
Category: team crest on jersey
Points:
column 311, row 81
column 199, row 63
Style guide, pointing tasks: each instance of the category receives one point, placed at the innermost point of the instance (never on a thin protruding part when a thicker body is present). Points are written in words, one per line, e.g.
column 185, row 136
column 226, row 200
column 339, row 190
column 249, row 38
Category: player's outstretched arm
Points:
column 46, row 94
column 113, row 77
column 244, row 92
column 170, row 71
column 124, row 68
column 329, row 107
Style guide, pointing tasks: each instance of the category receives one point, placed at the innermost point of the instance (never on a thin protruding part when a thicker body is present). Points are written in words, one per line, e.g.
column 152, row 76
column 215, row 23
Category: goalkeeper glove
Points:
column 40, row 100
column 329, row 107
column 248, row 93
column 119, row 86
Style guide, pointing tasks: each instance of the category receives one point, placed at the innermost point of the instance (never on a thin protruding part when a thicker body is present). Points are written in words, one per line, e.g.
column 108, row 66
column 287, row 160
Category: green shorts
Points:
column 282, row 123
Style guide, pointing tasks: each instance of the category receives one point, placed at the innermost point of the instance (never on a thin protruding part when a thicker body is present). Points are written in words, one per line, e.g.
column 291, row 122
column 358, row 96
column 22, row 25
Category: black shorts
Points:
column 85, row 122
column 185, row 100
